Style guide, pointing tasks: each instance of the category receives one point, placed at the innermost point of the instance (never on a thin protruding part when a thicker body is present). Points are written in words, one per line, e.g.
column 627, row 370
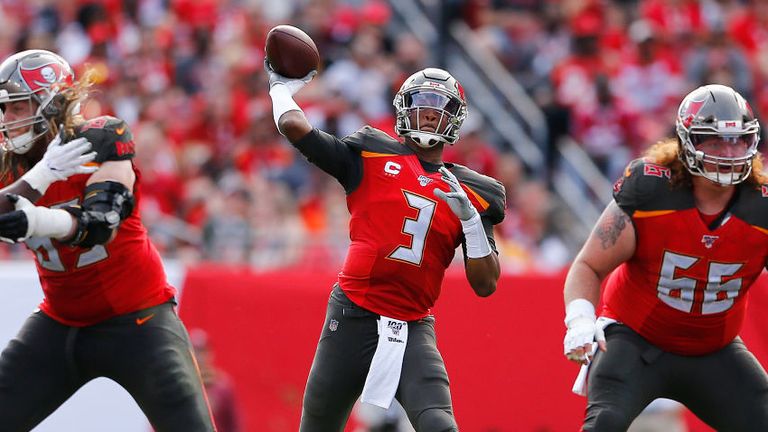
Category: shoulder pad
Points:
column 752, row 205
column 373, row 140
column 110, row 137
column 488, row 191
column 646, row 186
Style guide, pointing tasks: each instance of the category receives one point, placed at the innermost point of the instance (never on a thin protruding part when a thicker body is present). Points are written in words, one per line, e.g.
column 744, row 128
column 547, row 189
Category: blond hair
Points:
column 13, row 165
column 667, row 153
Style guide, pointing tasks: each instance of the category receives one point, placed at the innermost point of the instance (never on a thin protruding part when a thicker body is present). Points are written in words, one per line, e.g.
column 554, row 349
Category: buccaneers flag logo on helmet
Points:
column 44, row 76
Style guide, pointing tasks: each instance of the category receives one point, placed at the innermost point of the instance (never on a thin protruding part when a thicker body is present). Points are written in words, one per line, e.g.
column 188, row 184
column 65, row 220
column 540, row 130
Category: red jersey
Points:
column 402, row 236
column 685, row 288
column 86, row 286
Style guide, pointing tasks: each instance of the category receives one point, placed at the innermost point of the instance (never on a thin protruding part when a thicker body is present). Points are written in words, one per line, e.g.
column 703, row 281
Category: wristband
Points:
column 282, row 101
column 475, row 238
column 39, row 177
column 46, row 222
column 578, row 308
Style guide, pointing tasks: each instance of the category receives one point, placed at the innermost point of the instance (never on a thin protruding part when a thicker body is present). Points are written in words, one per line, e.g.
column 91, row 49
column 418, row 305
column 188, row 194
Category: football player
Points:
column 683, row 240
column 107, row 310
column 410, row 210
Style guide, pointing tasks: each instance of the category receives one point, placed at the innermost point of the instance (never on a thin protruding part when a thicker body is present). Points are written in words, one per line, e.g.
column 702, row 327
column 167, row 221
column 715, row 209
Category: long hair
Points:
column 12, row 165
column 667, row 153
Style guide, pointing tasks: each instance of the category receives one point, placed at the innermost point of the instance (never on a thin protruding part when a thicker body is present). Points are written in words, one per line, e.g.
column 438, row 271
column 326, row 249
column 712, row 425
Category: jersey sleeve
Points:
column 486, row 193
column 372, row 140
column 645, row 186
column 752, row 205
column 110, row 137
column 331, row 155
column 341, row 158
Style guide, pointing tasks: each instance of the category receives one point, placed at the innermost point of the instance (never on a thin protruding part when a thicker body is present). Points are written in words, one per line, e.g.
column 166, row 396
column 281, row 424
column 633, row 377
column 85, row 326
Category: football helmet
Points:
column 433, row 89
column 31, row 76
column 718, row 134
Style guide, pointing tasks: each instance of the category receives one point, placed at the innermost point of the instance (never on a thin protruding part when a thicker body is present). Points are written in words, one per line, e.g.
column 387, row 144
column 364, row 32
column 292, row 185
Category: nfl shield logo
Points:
column 709, row 240
column 333, row 325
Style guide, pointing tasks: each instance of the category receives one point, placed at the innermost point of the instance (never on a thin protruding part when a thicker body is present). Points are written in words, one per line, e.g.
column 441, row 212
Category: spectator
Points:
column 218, row 386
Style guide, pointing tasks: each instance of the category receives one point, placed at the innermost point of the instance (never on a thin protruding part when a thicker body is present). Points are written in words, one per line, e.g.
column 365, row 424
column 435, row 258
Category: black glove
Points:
column 13, row 225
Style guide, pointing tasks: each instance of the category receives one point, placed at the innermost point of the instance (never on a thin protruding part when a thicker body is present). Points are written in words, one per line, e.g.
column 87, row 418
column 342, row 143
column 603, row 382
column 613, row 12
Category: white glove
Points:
column 30, row 220
column 457, row 199
column 292, row 84
column 579, row 338
column 582, row 331
column 59, row 162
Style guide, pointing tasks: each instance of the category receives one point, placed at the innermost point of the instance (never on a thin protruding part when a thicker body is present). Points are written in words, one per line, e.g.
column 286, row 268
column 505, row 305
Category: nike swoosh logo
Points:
column 140, row 321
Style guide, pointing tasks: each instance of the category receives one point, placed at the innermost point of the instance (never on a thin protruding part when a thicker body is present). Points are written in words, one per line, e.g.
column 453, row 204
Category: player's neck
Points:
column 433, row 155
column 711, row 198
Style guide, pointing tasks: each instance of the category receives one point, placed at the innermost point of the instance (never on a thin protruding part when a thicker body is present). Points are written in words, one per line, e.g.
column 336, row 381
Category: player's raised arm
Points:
column 289, row 118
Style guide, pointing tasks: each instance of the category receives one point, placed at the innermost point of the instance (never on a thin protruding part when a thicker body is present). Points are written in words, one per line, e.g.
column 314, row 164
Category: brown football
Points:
column 291, row 52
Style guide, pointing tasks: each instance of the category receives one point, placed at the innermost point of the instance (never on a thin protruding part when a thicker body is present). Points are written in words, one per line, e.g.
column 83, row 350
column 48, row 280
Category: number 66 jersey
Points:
column 402, row 236
column 84, row 286
column 685, row 288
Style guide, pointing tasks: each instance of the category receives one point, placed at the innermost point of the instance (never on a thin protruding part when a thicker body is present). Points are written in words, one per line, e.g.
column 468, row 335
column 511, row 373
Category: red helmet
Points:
column 31, row 76
column 717, row 112
column 435, row 89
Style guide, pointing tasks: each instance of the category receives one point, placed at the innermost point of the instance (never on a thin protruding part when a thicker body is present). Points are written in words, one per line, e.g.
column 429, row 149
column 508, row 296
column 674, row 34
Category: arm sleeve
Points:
column 333, row 156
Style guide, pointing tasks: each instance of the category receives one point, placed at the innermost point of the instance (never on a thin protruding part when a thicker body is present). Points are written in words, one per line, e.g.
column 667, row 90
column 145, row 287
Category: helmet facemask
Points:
column 723, row 170
column 718, row 135
column 30, row 97
column 19, row 133
column 431, row 97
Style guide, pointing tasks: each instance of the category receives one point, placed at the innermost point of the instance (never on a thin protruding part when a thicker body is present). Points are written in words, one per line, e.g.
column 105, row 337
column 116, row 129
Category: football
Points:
column 291, row 52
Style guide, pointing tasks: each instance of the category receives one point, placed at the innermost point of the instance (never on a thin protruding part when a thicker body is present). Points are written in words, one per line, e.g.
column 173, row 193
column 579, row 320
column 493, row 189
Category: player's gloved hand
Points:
column 583, row 330
column 292, row 84
column 29, row 220
column 457, row 199
column 14, row 225
column 59, row 162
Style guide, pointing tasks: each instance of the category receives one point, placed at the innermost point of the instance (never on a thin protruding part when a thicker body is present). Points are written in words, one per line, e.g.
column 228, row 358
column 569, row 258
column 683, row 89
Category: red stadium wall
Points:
column 503, row 353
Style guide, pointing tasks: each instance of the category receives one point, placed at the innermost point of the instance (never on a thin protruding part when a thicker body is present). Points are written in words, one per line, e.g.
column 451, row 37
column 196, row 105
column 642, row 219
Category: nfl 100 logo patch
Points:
column 395, row 327
column 333, row 325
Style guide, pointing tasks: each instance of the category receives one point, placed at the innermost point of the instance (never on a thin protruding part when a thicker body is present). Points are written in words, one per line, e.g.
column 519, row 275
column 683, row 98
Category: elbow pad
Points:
column 105, row 206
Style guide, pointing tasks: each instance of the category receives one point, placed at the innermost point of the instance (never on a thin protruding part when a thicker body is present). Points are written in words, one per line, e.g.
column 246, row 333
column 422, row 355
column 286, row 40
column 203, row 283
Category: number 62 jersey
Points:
column 685, row 288
column 84, row 286
column 402, row 236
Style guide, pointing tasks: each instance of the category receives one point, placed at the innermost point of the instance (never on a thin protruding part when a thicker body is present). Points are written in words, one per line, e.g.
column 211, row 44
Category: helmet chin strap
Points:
column 424, row 139
column 22, row 143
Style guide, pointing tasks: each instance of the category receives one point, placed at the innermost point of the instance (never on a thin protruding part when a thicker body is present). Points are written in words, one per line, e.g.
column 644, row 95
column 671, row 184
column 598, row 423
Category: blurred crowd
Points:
column 220, row 184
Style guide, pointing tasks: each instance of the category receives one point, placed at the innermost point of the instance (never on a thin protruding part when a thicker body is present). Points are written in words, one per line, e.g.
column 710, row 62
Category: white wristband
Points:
column 578, row 308
column 474, row 235
column 46, row 222
column 282, row 101
column 39, row 177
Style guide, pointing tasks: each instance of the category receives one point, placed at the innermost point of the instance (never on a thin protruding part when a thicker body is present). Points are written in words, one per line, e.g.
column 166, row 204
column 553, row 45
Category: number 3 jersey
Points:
column 84, row 286
column 685, row 288
column 402, row 236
